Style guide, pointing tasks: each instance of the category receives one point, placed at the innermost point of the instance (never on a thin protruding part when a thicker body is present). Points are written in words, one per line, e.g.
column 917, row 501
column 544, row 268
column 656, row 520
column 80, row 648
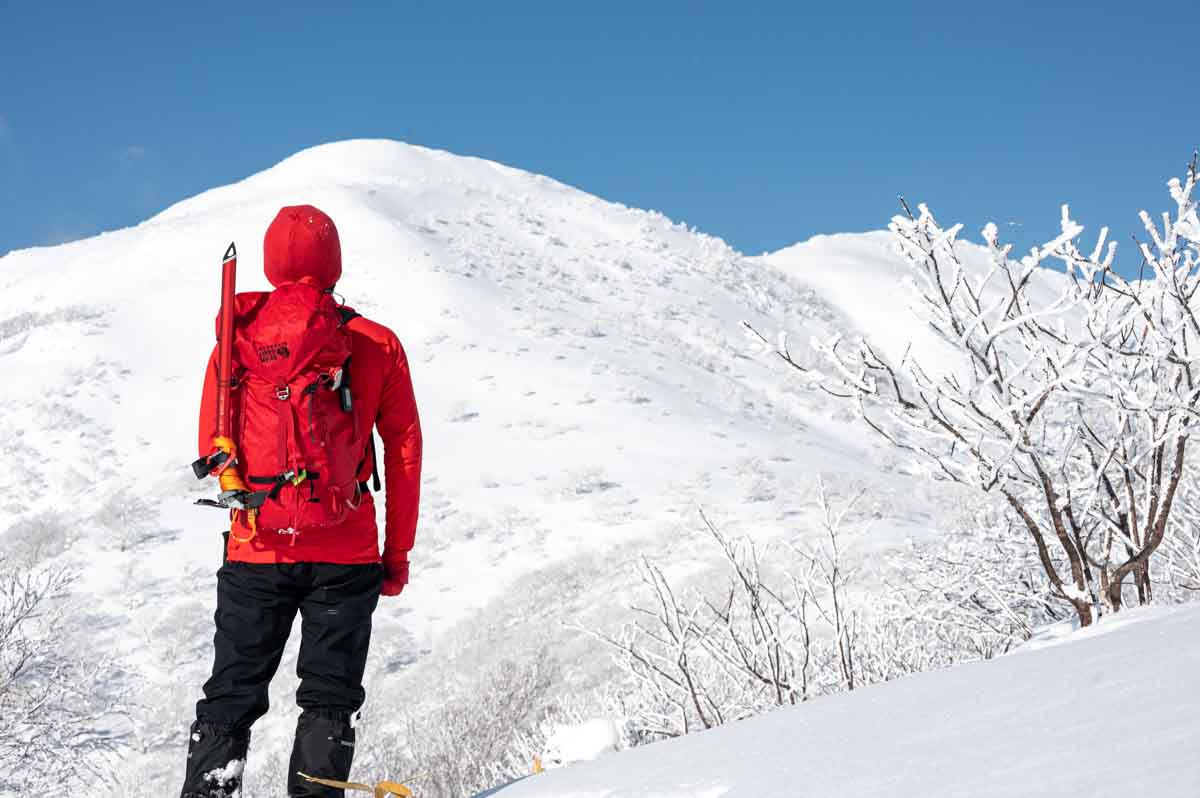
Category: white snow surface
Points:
column 232, row 770
column 1112, row 711
column 584, row 388
column 581, row 742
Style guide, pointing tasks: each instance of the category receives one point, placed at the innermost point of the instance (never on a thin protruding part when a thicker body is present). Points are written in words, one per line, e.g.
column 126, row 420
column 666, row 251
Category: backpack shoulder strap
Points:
column 347, row 315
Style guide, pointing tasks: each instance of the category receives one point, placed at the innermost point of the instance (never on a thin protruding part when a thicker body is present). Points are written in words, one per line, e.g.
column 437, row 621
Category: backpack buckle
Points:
column 283, row 393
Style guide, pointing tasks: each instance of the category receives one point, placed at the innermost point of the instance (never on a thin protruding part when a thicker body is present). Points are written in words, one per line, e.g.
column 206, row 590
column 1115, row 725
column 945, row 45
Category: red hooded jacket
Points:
column 383, row 398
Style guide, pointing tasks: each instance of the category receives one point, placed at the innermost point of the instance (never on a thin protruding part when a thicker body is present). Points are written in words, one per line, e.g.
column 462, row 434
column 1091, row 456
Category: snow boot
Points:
column 324, row 748
column 216, row 761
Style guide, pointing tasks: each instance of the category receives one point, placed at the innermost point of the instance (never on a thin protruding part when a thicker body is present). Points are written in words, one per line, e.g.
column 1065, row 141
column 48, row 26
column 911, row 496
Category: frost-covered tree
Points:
column 1071, row 395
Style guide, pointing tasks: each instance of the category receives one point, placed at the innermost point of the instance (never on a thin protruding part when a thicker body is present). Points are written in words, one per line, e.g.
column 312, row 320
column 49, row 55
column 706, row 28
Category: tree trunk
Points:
column 1141, row 576
column 1115, row 591
column 1084, row 610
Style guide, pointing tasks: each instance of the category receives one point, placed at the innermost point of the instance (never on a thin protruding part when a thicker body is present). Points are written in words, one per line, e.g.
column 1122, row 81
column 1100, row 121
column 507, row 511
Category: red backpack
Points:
column 299, row 445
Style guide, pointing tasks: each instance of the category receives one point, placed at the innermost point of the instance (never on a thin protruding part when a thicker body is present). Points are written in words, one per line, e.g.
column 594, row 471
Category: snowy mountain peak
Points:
column 360, row 163
column 371, row 160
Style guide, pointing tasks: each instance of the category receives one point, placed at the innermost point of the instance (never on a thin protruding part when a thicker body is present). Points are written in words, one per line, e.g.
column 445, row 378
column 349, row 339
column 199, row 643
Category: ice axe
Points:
column 223, row 462
column 381, row 790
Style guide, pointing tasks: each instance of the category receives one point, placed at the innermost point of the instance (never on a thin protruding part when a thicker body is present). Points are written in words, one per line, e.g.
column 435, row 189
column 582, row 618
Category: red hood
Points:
column 302, row 245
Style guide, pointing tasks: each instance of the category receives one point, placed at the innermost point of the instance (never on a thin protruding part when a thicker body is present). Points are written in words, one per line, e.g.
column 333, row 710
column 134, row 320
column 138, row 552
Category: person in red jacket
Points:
column 331, row 574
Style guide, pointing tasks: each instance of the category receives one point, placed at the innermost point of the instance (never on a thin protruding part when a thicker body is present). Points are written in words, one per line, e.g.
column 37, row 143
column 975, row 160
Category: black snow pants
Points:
column 256, row 604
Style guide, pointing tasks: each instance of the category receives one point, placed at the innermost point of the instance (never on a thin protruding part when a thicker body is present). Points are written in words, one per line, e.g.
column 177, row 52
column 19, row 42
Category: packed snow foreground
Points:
column 1109, row 711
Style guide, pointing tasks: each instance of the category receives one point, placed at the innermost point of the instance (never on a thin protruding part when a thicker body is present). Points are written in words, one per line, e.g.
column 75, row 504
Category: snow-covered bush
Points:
column 1071, row 396
column 583, row 740
column 129, row 520
column 972, row 593
column 477, row 732
column 1180, row 575
column 796, row 622
column 52, row 708
column 33, row 541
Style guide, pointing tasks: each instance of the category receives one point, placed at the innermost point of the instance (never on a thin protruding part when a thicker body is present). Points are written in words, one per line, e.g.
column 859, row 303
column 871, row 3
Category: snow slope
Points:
column 1110, row 712
column 583, row 381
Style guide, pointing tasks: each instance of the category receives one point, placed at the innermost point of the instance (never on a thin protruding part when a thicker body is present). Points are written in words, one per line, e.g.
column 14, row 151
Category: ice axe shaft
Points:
column 223, row 457
column 225, row 341
column 223, row 461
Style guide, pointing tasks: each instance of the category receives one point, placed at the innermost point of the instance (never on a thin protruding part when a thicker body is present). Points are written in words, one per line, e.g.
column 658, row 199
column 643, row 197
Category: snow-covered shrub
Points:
column 973, row 593
column 28, row 321
column 129, row 520
column 53, row 710
column 820, row 618
column 1180, row 574
column 35, row 540
column 475, row 733
column 1070, row 396
column 583, row 741
column 1183, row 565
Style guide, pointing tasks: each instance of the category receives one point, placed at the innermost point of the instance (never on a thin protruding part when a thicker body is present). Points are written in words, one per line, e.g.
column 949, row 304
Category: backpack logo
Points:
column 271, row 352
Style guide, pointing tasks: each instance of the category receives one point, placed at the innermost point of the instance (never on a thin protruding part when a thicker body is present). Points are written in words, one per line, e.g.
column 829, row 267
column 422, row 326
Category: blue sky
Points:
column 764, row 123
